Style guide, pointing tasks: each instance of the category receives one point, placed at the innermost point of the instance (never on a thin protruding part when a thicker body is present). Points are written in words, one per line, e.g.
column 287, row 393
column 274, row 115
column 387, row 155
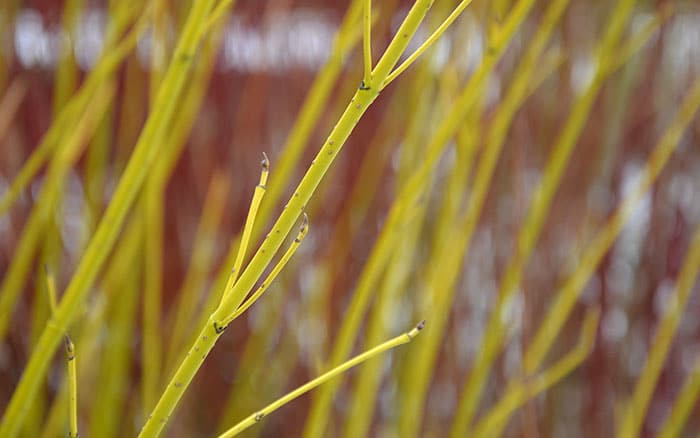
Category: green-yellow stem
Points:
column 367, row 40
column 144, row 154
column 273, row 274
column 683, row 406
column 429, row 42
column 182, row 378
column 259, row 415
column 362, row 99
column 231, row 301
column 72, row 389
column 250, row 221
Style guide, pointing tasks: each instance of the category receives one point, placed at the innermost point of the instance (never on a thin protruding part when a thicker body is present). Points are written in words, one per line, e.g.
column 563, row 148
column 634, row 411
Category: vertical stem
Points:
column 296, row 204
column 367, row 41
column 362, row 99
column 213, row 329
column 72, row 389
column 152, row 208
column 182, row 378
column 129, row 185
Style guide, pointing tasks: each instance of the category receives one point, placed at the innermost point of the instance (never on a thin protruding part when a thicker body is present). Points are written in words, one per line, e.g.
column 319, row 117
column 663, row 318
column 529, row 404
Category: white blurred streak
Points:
column 73, row 227
column 35, row 45
column 90, row 38
column 583, row 70
column 681, row 48
column 627, row 251
column 301, row 39
column 614, row 325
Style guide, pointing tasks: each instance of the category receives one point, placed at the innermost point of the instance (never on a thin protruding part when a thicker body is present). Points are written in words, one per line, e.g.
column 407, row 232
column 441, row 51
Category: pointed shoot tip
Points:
column 417, row 329
column 265, row 162
column 70, row 347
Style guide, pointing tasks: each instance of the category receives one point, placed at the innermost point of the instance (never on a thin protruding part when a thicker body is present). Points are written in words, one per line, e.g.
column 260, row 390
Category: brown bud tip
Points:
column 265, row 162
column 68, row 343
column 420, row 325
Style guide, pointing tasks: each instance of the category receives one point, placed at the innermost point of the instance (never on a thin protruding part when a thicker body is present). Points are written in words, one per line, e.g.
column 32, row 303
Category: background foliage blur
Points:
column 264, row 60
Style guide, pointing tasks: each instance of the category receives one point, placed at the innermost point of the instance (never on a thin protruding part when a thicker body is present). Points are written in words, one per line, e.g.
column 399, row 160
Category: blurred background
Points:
column 245, row 96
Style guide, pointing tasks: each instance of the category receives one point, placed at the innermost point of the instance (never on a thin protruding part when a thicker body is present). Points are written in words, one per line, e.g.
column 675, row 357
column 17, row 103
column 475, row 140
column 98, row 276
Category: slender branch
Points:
column 259, row 415
column 72, row 389
column 566, row 298
column 144, row 154
column 683, row 406
column 367, row 42
column 74, row 109
column 249, row 223
column 520, row 392
column 398, row 44
column 72, row 377
column 211, row 331
column 636, row 42
column 216, row 14
column 663, row 338
column 429, row 42
column 304, row 229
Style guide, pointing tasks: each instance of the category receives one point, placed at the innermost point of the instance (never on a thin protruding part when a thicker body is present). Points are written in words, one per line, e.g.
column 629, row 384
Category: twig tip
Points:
column 265, row 162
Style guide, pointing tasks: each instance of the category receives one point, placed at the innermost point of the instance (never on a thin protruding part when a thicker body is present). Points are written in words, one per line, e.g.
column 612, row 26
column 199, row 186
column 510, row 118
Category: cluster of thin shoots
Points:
column 137, row 205
column 202, row 19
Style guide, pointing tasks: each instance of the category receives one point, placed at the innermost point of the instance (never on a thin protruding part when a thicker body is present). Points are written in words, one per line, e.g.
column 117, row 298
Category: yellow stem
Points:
column 72, row 389
column 143, row 156
column 275, row 271
column 249, row 223
column 673, row 426
column 658, row 352
column 367, row 41
column 429, row 42
column 259, row 415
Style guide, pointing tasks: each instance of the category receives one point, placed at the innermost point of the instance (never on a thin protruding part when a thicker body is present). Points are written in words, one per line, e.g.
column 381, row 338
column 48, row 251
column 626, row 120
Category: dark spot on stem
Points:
column 218, row 329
